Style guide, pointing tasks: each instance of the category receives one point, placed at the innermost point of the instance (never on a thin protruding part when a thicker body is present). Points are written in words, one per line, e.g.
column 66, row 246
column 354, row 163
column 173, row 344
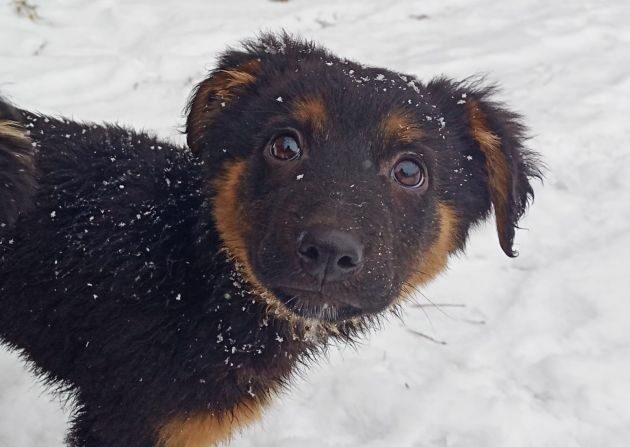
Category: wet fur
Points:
column 117, row 281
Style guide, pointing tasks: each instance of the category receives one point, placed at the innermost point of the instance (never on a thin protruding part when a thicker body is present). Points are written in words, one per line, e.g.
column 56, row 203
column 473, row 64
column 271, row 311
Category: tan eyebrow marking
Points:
column 311, row 110
column 398, row 125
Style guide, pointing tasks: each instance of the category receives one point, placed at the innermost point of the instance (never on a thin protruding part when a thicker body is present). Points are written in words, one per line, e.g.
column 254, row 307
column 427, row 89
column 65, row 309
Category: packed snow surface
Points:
column 527, row 352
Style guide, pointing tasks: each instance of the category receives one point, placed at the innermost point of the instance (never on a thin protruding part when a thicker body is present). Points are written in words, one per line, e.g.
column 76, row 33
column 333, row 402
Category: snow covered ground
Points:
column 536, row 351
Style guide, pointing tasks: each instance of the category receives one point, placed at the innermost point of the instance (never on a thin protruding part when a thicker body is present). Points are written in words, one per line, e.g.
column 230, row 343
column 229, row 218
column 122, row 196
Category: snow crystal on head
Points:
column 274, row 47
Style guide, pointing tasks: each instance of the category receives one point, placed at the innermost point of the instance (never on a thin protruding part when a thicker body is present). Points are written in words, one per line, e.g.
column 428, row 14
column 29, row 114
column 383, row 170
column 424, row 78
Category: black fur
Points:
column 113, row 280
column 112, row 288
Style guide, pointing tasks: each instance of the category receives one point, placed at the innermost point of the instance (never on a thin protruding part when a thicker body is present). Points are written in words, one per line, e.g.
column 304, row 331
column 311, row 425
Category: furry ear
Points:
column 234, row 74
column 500, row 135
column 240, row 70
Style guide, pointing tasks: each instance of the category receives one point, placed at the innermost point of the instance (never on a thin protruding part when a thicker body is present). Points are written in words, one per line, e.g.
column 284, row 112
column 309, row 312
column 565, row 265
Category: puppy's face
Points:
column 338, row 188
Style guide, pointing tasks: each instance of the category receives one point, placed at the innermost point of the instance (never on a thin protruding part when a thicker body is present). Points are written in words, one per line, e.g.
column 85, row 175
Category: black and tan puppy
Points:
column 173, row 291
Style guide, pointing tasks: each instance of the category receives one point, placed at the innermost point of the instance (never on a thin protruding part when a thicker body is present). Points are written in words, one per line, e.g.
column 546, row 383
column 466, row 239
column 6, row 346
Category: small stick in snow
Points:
column 25, row 9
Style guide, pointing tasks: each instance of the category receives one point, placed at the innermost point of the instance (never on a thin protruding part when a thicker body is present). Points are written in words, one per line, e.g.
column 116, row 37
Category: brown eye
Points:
column 409, row 173
column 285, row 148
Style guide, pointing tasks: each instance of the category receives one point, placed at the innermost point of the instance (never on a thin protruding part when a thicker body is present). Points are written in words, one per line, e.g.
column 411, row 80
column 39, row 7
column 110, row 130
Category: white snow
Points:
column 537, row 349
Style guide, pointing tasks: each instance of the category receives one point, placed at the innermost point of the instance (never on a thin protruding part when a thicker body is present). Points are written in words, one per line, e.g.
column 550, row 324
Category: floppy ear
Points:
column 236, row 72
column 498, row 137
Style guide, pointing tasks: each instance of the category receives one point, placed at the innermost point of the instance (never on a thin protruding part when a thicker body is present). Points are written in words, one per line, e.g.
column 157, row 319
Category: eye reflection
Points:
column 409, row 173
column 285, row 148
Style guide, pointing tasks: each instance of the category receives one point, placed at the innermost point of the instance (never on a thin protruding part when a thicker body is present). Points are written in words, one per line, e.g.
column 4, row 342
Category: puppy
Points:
column 173, row 291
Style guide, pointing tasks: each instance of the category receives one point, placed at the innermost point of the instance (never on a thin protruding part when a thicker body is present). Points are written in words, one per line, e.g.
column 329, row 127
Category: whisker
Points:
column 440, row 306
column 409, row 288
column 426, row 314
column 415, row 288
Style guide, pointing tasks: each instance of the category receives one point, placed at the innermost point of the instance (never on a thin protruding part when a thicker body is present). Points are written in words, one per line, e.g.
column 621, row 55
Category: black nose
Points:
column 329, row 254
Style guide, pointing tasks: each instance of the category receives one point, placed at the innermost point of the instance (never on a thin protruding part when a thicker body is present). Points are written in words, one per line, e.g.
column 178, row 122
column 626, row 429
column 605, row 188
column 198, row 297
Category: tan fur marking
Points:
column 13, row 131
column 398, row 126
column 311, row 110
column 227, row 80
column 220, row 87
column 228, row 212
column 232, row 225
column 208, row 429
column 496, row 164
column 433, row 261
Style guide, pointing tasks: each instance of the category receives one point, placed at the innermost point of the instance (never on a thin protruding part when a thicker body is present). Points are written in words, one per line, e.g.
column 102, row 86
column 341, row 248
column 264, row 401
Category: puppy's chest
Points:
column 248, row 370
column 252, row 353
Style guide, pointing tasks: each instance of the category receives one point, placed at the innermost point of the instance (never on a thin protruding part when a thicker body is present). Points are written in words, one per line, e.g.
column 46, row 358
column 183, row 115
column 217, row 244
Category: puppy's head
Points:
column 336, row 186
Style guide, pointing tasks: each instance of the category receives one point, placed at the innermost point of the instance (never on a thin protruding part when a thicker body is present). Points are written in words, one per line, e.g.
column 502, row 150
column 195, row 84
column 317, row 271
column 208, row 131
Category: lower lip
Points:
column 287, row 296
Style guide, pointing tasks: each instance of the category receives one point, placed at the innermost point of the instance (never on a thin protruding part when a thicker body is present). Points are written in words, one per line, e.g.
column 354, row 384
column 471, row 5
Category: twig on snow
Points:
column 25, row 9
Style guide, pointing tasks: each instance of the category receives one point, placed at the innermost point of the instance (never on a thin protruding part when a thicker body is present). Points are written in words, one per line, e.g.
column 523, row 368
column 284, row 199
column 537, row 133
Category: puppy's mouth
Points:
column 316, row 305
column 325, row 299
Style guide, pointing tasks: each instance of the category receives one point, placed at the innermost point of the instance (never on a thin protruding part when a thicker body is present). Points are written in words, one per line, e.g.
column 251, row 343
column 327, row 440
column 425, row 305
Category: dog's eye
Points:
column 409, row 173
column 285, row 148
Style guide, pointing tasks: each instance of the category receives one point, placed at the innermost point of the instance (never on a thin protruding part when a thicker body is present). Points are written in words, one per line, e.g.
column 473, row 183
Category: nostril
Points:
column 346, row 262
column 329, row 254
column 309, row 252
